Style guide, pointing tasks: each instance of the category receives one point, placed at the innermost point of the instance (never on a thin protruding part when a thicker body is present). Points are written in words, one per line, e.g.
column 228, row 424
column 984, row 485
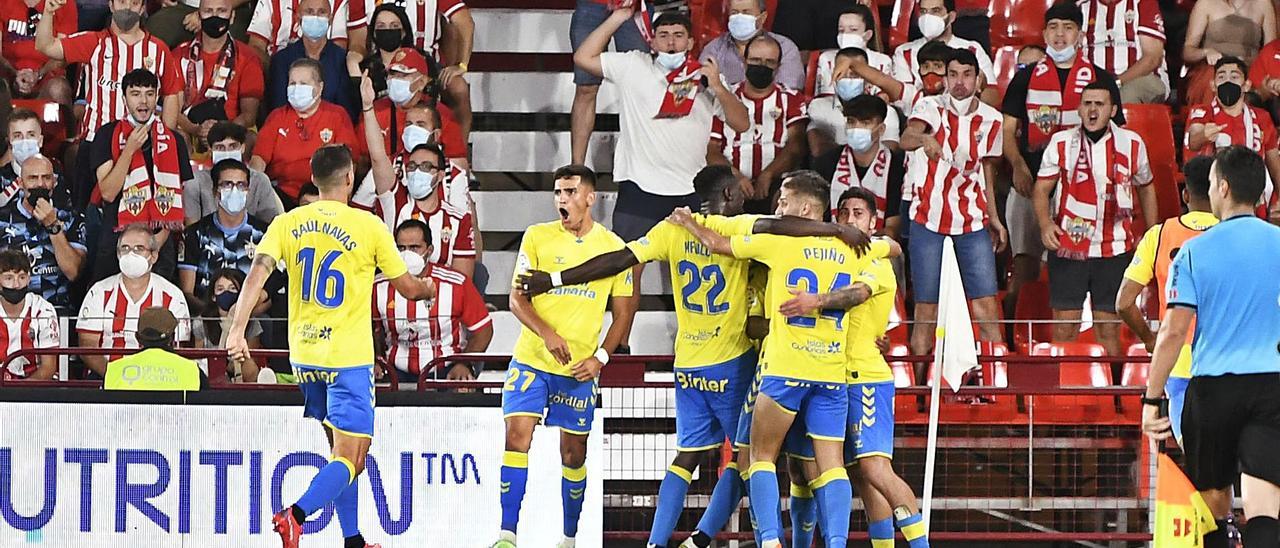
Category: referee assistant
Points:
column 1226, row 281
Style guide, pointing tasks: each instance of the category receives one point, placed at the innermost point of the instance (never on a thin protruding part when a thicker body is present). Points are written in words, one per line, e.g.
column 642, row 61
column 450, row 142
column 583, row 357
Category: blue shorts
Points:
column 822, row 407
column 743, row 439
column 562, row 402
column 588, row 15
column 341, row 399
column 973, row 253
column 871, row 416
column 709, row 401
column 1176, row 388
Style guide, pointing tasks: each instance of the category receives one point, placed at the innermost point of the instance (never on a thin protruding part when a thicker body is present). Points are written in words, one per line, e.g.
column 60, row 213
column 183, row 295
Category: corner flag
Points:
column 1182, row 517
column 955, row 330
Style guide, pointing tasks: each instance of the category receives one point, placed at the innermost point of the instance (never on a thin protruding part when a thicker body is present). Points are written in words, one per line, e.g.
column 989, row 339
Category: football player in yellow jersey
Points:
column 330, row 251
column 869, row 449
column 553, row 371
column 803, row 366
column 1151, row 260
column 714, row 360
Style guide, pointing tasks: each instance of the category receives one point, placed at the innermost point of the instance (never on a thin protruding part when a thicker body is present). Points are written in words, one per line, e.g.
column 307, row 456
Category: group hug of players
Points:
column 776, row 349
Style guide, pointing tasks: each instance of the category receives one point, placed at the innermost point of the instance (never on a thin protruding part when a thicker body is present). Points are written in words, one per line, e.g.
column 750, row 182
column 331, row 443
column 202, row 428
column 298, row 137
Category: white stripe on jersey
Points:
column 109, row 62
column 36, row 326
column 1111, row 35
column 418, row 332
column 755, row 149
column 949, row 194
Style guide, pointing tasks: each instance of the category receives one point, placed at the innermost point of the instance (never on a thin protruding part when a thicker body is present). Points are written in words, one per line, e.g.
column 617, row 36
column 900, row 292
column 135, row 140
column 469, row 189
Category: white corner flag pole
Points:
column 931, row 448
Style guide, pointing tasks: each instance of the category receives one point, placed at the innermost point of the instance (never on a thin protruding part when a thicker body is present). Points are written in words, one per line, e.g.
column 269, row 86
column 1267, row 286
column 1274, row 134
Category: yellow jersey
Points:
column 1146, row 259
column 711, row 306
column 867, row 322
column 330, row 251
column 575, row 312
column 806, row 348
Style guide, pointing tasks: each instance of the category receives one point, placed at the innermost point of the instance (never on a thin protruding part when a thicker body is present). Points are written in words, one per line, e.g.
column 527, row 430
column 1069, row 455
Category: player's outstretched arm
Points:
column 250, row 294
column 413, row 287
column 789, row 225
column 714, row 241
column 537, row 282
column 802, row 303
column 523, row 310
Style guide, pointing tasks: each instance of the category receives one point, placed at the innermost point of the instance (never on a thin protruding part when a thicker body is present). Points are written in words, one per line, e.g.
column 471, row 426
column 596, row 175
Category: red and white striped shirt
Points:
column 110, row 311
column 106, row 59
column 427, row 16
column 906, row 64
column 770, row 116
column 36, row 326
column 451, row 235
column 949, row 194
column 1111, row 31
column 420, row 331
column 456, row 191
column 278, row 22
column 1119, row 162
column 876, row 179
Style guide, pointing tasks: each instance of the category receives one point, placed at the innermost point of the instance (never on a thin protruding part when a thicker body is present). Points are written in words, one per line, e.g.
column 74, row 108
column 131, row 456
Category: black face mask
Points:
column 388, row 39
column 35, row 194
column 1095, row 136
column 227, row 299
column 759, row 76
column 13, row 296
column 215, row 27
column 1229, row 93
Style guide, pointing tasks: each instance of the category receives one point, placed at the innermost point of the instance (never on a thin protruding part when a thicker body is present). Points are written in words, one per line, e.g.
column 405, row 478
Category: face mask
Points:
column 215, row 27
column 742, row 26
column 220, row 155
column 24, row 148
column 13, row 296
column 1229, row 93
column 126, row 19
column 759, row 76
column 932, row 83
column 1061, row 55
column 419, row 184
column 233, row 200
column 227, row 299
column 301, row 96
column 388, row 39
column 851, row 40
column 414, row 136
column 848, row 88
column 859, row 138
column 315, row 27
column 931, row 26
column 36, row 194
column 671, row 61
column 962, row 106
column 398, row 90
column 414, row 261
column 134, row 266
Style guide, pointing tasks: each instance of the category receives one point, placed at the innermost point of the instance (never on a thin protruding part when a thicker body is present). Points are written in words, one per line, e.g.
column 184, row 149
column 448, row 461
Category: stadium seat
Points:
column 903, row 374
column 1135, row 373
column 904, row 11
column 1155, row 124
column 1077, row 374
column 1017, row 23
column 1073, row 409
column 1032, row 305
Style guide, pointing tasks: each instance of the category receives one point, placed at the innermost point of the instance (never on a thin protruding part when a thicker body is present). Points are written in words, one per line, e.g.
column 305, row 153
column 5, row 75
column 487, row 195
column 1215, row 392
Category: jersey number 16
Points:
column 324, row 283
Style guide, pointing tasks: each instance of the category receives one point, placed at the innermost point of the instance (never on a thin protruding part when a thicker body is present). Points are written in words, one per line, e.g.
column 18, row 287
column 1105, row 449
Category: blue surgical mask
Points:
column 414, row 136
column 233, row 199
column 671, row 61
column 742, row 26
column 858, row 138
column 24, row 148
column 419, row 184
column 301, row 96
column 848, row 88
column 315, row 27
column 398, row 90
column 220, row 155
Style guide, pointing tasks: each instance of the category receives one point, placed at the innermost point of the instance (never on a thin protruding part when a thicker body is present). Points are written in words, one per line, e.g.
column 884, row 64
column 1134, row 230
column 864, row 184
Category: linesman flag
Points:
column 955, row 330
column 1182, row 517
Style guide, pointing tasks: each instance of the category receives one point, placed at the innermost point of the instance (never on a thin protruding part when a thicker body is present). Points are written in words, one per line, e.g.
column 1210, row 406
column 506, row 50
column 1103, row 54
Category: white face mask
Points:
column 414, row 262
column 962, row 106
column 851, row 40
column 220, row 155
column 233, row 200
column 671, row 61
column 134, row 266
column 848, row 88
column 742, row 26
column 1061, row 55
column 419, row 184
column 24, row 148
column 398, row 90
column 414, row 136
column 859, row 138
column 301, row 96
column 931, row 26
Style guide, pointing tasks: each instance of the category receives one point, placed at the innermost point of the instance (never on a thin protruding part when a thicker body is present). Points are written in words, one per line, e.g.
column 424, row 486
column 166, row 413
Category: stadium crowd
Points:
column 148, row 145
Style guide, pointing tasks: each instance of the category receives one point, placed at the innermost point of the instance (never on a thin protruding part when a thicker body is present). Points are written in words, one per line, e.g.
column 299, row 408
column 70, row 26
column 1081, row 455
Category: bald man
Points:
column 53, row 236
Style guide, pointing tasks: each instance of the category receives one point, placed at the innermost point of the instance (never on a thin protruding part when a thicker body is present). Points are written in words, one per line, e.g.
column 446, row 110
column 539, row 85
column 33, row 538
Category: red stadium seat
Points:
column 1070, row 409
column 1006, row 65
column 1135, row 373
column 899, row 27
column 1082, row 374
column 1017, row 22
column 1033, row 304
column 1155, row 124
column 811, row 74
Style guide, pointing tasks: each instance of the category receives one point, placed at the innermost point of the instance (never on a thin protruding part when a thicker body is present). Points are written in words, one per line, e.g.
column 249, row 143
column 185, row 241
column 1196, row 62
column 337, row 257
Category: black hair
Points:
column 14, row 260
column 810, row 184
column 406, row 26
column 964, row 57
column 950, row 5
column 866, row 108
column 229, row 164
column 410, row 224
column 1231, row 60
column 139, row 78
column 583, row 173
column 227, row 129
column 212, row 321
column 933, row 51
column 1065, row 11
column 19, row 114
column 1196, row 171
column 1244, row 171
column 861, row 11
column 308, row 189
column 711, row 179
column 852, row 52
column 432, row 148
column 673, row 17
column 329, row 163
column 1109, row 86
column 859, row 193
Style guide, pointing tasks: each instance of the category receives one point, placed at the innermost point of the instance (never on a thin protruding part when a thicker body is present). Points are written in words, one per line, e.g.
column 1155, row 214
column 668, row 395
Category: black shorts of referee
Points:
column 1231, row 425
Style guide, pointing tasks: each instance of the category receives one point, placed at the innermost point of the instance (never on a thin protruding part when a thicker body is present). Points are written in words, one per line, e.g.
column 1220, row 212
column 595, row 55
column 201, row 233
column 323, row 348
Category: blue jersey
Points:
column 1230, row 277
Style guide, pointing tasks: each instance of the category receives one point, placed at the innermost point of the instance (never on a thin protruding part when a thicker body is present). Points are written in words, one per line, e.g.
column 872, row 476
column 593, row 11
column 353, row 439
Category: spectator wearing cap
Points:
column 50, row 234
column 200, row 196
column 729, row 50
column 224, row 77
column 1095, row 170
column 827, row 113
column 109, row 315
column 314, row 44
column 295, row 131
column 667, row 102
column 935, row 19
column 587, row 15
column 224, row 239
column 26, row 139
column 27, row 320
column 156, row 367
column 1041, row 100
column 1126, row 38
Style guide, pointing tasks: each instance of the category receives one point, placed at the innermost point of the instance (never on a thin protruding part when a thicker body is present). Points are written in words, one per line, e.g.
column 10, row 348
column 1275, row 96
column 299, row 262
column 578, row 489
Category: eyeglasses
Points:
column 429, row 168
column 228, row 185
column 140, row 249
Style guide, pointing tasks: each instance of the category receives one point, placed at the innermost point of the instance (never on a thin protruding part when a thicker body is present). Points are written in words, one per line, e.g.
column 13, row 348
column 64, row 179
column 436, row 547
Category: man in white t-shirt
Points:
column 667, row 101
column 935, row 20
column 27, row 321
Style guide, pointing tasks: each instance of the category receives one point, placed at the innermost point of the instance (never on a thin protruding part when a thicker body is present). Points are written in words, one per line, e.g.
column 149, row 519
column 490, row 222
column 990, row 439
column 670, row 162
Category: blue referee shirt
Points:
column 1231, row 276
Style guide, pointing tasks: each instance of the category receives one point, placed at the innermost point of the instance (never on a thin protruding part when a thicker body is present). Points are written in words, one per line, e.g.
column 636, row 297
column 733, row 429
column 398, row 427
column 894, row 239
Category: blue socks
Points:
column 670, row 503
column 348, row 507
column 764, row 498
column 912, row 527
column 881, row 533
column 513, row 477
column 573, row 492
column 835, row 496
column 804, row 516
column 332, row 480
column 724, row 501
